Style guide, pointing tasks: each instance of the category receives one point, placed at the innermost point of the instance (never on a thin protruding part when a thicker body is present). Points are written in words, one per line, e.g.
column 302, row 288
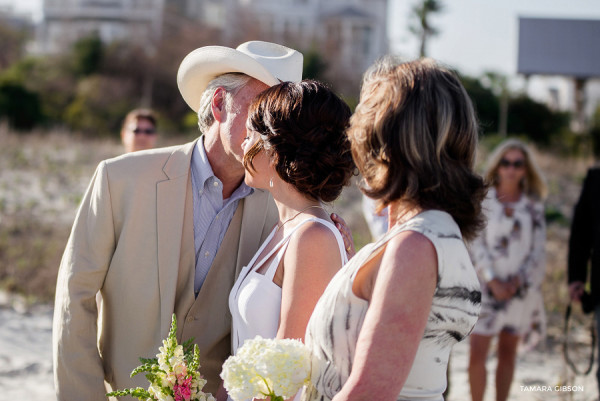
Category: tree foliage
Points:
column 535, row 120
column 86, row 55
column 12, row 43
column 526, row 117
column 595, row 132
column 314, row 65
column 19, row 106
column 486, row 103
column 422, row 26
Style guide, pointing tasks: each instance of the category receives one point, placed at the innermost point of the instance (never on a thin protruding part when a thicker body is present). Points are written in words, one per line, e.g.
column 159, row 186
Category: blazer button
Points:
column 190, row 319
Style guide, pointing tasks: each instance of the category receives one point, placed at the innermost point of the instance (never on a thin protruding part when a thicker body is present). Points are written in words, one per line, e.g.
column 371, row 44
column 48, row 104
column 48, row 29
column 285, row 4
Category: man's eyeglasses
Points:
column 147, row 131
column 518, row 164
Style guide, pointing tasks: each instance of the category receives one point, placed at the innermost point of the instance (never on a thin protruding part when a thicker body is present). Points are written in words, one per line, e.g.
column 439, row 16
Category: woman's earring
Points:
column 271, row 182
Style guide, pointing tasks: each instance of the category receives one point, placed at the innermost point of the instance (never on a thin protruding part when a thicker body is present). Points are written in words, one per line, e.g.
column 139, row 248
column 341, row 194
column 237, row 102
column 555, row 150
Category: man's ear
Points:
column 217, row 105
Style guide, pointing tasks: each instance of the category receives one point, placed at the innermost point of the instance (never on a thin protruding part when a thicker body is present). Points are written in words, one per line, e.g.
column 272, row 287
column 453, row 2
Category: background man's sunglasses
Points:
column 148, row 131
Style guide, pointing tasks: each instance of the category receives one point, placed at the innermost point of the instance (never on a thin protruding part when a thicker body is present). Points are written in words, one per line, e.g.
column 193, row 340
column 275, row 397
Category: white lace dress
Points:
column 512, row 244
column 255, row 300
column 338, row 317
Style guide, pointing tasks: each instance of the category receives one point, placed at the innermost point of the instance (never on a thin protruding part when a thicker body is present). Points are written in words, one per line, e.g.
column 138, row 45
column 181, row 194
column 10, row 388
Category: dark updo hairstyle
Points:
column 302, row 128
column 414, row 137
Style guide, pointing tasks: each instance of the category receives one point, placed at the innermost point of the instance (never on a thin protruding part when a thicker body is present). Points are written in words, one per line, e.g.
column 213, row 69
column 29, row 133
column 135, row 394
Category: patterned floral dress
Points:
column 336, row 322
column 512, row 244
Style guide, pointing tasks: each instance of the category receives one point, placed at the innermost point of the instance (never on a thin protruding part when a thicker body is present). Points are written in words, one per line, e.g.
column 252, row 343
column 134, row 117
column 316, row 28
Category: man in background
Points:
column 584, row 246
column 138, row 131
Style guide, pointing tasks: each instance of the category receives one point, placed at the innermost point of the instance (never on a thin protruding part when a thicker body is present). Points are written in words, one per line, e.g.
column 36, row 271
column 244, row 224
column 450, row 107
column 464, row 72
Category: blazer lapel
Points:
column 172, row 194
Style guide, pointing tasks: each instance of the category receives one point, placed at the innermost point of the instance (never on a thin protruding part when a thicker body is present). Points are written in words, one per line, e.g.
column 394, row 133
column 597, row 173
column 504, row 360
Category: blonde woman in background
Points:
column 509, row 257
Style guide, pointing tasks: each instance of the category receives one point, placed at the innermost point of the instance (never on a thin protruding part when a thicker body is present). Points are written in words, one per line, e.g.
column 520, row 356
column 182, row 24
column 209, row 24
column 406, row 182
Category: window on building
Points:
column 362, row 36
column 101, row 3
column 333, row 31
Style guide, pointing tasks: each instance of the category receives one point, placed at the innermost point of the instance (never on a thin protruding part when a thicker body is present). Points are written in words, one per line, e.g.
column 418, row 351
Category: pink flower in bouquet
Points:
column 180, row 370
column 182, row 391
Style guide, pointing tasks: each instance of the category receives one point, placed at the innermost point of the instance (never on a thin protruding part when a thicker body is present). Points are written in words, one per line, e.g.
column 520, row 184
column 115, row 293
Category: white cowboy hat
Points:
column 268, row 62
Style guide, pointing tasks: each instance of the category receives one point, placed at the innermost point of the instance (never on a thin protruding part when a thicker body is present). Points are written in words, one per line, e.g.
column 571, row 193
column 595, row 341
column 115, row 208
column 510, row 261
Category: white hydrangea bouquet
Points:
column 173, row 374
column 275, row 368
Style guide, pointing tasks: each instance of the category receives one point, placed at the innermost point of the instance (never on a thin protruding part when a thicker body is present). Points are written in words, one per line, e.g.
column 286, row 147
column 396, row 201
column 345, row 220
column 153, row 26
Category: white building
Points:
column 349, row 34
column 65, row 21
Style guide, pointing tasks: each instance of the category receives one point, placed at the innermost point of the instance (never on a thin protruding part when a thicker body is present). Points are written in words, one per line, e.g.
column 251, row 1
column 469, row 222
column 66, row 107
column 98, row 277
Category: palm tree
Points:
column 422, row 27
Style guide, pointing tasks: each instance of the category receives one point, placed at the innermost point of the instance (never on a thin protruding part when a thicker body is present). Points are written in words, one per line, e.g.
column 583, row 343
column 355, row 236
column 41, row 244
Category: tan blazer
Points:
column 133, row 240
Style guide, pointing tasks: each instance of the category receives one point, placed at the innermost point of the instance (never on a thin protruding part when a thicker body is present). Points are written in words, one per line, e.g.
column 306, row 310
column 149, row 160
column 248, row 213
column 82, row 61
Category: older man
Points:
column 167, row 230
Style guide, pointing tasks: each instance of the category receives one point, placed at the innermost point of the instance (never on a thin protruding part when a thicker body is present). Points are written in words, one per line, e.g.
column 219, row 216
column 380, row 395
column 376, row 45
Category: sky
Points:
column 24, row 6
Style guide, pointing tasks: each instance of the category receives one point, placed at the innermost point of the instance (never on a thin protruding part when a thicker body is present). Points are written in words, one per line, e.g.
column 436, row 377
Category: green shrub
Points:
column 19, row 106
column 99, row 105
column 535, row 120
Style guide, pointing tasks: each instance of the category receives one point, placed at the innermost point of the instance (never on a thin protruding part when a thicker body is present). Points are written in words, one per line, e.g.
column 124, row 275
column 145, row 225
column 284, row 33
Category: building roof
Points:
column 348, row 12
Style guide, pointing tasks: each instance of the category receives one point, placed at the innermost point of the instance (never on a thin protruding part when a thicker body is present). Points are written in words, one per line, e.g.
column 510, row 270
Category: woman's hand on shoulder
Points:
column 343, row 228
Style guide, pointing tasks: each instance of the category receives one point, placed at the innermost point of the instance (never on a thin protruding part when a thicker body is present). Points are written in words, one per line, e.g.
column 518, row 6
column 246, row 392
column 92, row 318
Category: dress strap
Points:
column 270, row 273
column 283, row 244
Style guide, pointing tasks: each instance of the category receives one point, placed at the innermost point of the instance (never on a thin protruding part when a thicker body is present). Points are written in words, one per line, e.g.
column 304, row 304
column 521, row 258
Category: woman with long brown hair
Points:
column 385, row 325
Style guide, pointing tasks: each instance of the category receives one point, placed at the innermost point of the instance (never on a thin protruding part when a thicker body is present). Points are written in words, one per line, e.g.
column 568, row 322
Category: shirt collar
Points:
column 203, row 172
column 202, row 169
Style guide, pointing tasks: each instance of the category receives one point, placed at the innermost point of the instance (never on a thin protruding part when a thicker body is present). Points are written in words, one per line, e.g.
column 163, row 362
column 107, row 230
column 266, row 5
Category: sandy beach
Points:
column 25, row 352
column 26, row 364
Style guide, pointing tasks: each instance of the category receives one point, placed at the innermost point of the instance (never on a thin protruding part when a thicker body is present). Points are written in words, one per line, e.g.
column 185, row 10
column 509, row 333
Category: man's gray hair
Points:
column 232, row 83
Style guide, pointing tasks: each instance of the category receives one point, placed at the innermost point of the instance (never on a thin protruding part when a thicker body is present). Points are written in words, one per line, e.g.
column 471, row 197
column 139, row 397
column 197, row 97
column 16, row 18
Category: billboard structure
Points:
column 565, row 47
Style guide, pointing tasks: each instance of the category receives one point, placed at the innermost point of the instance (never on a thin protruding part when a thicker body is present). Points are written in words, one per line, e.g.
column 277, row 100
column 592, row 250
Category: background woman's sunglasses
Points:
column 516, row 164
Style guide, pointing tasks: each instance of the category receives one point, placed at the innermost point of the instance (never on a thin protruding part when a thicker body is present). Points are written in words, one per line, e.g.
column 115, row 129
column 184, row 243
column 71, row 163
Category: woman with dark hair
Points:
column 384, row 327
column 297, row 150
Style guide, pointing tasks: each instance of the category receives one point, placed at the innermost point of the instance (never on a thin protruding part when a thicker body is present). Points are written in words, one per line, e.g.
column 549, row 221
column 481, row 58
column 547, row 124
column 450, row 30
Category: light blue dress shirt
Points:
column 212, row 213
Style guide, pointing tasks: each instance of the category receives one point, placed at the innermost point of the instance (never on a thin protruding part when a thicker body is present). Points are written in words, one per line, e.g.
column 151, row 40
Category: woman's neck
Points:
column 400, row 212
column 508, row 192
column 291, row 204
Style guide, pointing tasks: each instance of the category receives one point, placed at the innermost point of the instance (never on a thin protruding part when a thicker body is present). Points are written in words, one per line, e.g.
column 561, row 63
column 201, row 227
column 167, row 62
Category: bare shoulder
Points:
column 407, row 259
column 411, row 248
column 312, row 236
column 314, row 246
column 407, row 240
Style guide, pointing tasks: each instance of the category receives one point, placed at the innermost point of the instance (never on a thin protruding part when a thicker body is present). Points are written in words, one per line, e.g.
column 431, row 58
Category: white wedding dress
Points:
column 255, row 300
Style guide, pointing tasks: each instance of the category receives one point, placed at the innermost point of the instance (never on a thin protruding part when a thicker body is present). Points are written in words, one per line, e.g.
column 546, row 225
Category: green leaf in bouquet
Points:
column 152, row 377
column 173, row 331
column 147, row 367
column 195, row 359
column 148, row 360
column 188, row 345
column 138, row 392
